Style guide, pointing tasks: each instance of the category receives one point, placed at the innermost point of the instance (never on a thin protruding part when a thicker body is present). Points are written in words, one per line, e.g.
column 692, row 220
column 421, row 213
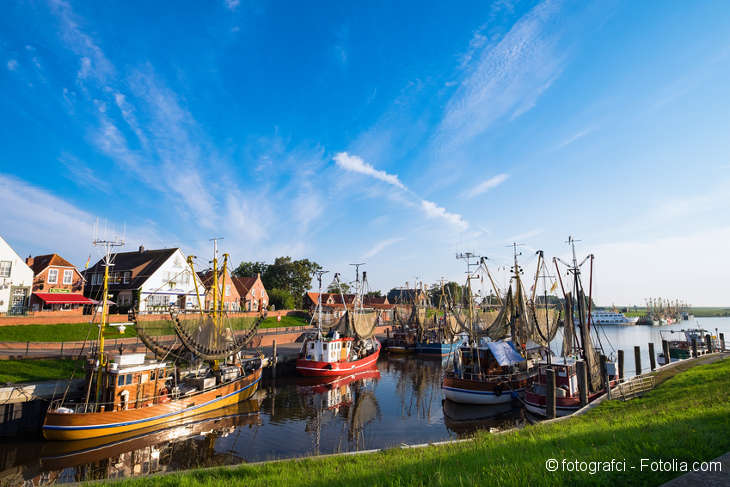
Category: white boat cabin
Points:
column 334, row 349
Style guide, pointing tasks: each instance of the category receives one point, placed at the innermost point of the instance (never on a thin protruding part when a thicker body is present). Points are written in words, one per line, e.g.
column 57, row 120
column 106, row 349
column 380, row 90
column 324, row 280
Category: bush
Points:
column 281, row 299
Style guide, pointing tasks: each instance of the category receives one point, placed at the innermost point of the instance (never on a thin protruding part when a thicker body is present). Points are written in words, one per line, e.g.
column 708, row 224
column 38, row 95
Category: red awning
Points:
column 63, row 298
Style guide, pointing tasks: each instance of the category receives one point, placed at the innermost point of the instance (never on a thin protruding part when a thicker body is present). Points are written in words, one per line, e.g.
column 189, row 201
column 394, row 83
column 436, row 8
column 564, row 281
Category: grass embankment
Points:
column 67, row 332
column 71, row 332
column 699, row 312
column 685, row 418
column 16, row 371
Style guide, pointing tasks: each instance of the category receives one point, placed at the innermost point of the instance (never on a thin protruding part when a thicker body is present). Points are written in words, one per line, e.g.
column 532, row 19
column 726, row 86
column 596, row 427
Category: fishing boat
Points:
column 439, row 336
column 575, row 346
column 403, row 332
column 680, row 349
column 203, row 369
column 497, row 362
column 349, row 345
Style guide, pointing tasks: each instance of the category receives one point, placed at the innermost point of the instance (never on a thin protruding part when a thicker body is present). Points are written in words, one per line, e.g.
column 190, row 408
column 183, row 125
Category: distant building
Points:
column 16, row 281
column 226, row 287
column 310, row 300
column 57, row 284
column 252, row 293
column 148, row 280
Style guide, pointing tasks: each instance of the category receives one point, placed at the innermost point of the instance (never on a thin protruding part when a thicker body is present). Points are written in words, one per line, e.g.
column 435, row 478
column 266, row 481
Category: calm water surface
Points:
column 399, row 403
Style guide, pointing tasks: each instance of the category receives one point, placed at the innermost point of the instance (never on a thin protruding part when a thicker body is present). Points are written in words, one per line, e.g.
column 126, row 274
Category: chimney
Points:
column 258, row 275
column 141, row 249
column 29, row 261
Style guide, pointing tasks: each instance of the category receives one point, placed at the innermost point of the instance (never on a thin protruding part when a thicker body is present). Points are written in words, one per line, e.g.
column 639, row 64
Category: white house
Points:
column 148, row 280
column 16, row 280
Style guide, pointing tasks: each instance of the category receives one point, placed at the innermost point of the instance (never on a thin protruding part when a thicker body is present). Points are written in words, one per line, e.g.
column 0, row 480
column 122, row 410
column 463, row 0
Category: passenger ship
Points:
column 612, row 318
column 130, row 392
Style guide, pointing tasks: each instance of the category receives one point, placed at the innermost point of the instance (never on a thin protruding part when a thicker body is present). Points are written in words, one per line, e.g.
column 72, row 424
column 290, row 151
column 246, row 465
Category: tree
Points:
column 281, row 299
column 374, row 294
column 333, row 288
column 292, row 276
column 250, row 269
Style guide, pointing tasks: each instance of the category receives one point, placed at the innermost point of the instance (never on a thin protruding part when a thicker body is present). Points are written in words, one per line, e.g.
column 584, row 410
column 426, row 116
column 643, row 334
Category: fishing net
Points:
column 363, row 322
column 545, row 324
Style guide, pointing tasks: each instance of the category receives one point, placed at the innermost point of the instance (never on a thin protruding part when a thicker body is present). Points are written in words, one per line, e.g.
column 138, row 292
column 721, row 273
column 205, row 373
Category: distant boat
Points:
column 682, row 348
column 612, row 318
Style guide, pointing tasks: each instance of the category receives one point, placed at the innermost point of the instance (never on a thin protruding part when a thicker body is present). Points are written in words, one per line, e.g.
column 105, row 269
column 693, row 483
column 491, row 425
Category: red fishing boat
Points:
column 349, row 345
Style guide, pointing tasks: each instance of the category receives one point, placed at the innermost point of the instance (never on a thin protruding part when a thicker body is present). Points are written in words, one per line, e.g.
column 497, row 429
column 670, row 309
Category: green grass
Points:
column 66, row 332
column 295, row 320
column 686, row 418
column 39, row 370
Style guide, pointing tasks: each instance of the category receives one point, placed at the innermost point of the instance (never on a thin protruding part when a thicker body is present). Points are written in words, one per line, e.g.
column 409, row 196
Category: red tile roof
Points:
column 40, row 262
column 244, row 284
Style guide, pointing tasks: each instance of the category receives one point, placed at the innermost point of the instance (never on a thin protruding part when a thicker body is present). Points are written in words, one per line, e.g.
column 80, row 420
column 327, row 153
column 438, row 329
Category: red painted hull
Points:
column 314, row 368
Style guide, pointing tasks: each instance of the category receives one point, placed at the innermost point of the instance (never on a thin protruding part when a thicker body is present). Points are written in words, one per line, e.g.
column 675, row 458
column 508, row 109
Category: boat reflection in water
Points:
column 467, row 419
column 350, row 398
column 178, row 445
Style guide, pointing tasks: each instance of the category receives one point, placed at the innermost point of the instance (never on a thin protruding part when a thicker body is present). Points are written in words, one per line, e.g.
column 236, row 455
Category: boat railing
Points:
column 97, row 407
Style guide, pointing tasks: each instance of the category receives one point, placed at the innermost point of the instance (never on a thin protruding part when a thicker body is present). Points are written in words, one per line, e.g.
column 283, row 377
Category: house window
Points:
column 228, row 289
column 52, row 276
column 68, row 276
column 127, row 275
column 262, row 293
column 129, row 379
column 5, row 267
column 120, row 380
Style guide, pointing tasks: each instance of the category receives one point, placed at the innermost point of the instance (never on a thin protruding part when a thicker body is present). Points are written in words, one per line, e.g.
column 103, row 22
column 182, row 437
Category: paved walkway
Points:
column 705, row 479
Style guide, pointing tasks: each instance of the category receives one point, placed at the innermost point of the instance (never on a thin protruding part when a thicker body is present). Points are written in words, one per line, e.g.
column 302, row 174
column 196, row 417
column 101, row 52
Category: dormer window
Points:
column 68, row 276
column 127, row 275
column 53, row 276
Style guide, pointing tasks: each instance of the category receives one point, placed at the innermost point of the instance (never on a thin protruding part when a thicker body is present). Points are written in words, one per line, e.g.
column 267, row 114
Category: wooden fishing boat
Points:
column 490, row 368
column 575, row 346
column 348, row 346
column 133, row 392
column 567, row 396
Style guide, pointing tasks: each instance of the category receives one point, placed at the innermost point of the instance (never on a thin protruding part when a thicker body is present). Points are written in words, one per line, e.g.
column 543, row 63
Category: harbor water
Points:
column 398, row 403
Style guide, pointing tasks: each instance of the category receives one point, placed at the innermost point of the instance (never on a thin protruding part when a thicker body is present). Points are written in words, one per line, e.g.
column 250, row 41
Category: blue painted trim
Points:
column 485, row 393
column 114, row 425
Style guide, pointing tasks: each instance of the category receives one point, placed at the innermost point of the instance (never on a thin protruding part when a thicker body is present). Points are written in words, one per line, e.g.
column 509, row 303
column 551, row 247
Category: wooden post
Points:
column 708, row 343
column 276, row 359
column 722, row 342
column 620, row 365
column 61, row 349
column 27, row 346
column 694, row 348
column 665, row 349
column 604, row 376
column 550, row 410
column 637, row 359
column 652, row 358
column 582, row 381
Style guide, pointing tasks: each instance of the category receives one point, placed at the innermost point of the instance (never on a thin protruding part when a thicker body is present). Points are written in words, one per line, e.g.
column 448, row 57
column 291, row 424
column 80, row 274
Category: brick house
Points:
column 310, row 300
column 226, row 287
column 57, row 284
column 252, row 293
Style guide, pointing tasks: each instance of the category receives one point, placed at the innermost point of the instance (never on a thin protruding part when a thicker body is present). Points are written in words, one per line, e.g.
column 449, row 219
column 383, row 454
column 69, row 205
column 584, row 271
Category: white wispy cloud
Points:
column 356, row 164
column 432, row 210
column 486, row 185
column 12, row 64
column 380, row 246
column 232, row 4
column 578, row 135
column 524, row 236
column 506, row 79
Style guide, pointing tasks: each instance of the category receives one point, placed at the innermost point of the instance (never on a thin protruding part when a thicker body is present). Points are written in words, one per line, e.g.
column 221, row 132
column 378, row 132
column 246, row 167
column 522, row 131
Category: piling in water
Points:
column 620, row 365
column 550, row 396
column 582, row 381
column 637, row 359
column 665, row 349
column 694, row 348
column 722, row 342
column 652, row 358
column 604, row 376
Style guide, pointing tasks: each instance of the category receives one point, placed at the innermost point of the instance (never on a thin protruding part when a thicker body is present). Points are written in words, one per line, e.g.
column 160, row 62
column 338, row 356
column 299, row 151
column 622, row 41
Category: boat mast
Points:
column 319, row 274
column 101, row 358
column 467, row 256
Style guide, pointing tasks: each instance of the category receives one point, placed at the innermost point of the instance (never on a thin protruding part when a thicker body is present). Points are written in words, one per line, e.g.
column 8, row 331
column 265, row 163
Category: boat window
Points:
column 311, row 345
column 129, row 379
column 324, row 346
column 120, row 380
column 152, row 375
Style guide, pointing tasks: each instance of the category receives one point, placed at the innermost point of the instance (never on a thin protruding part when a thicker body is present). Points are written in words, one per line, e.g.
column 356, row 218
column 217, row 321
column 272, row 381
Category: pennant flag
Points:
column 87, row 262
column 554, row 286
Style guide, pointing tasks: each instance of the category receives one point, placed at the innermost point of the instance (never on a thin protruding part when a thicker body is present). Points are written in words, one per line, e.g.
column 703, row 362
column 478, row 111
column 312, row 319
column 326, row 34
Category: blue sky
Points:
column 394, row 133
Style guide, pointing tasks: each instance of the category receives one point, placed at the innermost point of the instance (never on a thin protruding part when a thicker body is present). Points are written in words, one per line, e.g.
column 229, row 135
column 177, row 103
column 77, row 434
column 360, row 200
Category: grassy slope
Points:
column 687, row 418
column 39, row 370
column 58, row 333
column 80, row 331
